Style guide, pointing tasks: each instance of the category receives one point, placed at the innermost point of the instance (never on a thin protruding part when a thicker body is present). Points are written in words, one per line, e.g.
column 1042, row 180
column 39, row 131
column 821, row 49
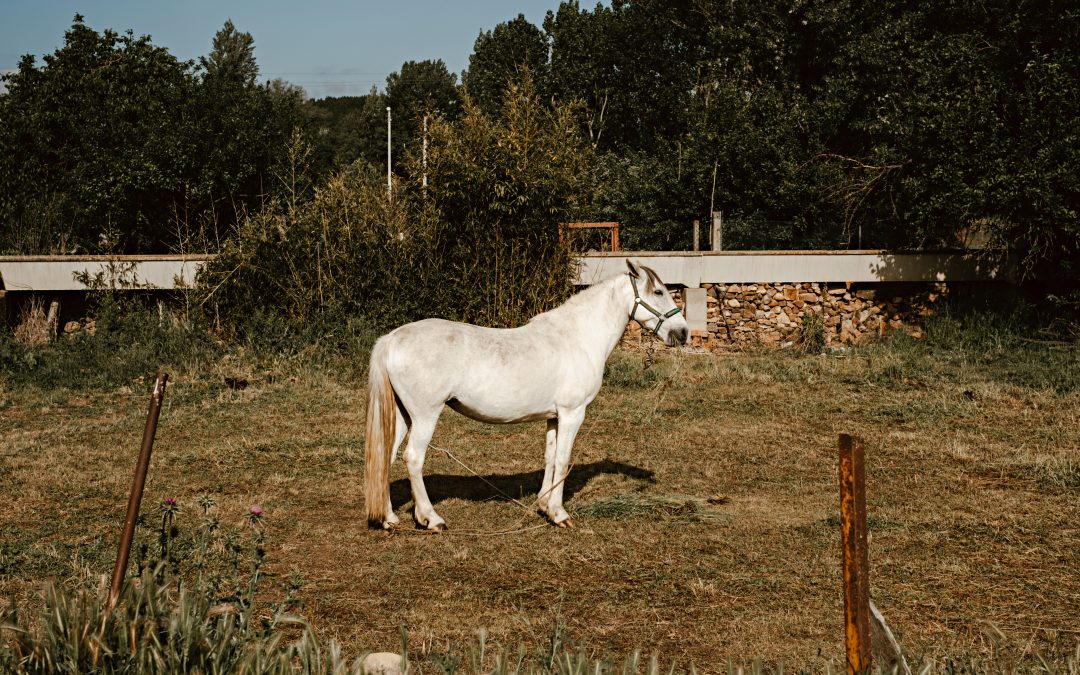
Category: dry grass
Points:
column 33, row 328
column 706, row 503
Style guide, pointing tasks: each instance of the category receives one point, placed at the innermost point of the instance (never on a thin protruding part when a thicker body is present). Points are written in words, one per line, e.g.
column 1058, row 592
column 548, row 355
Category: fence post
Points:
column 697, row 234
column 856, row 558
column 716, row 241
column 135, row 498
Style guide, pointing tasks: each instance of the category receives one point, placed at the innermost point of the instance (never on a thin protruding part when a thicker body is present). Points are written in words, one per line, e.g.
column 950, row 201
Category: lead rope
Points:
column 650, row 350
column 515, row 529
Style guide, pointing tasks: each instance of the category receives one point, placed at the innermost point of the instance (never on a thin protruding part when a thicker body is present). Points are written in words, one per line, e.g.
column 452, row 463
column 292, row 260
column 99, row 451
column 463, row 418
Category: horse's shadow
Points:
column 503, row 487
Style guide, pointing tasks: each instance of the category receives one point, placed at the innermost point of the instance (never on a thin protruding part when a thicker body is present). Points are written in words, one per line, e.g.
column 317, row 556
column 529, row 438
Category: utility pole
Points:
column 389, row 184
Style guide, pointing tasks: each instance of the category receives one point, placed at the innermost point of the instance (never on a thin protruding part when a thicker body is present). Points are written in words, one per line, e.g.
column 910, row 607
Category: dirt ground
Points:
column 705, row 497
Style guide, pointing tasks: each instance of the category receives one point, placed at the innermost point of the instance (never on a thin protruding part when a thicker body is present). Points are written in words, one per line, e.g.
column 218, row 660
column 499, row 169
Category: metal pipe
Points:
column 856, row 558
column 389, row 182
column 135, row 499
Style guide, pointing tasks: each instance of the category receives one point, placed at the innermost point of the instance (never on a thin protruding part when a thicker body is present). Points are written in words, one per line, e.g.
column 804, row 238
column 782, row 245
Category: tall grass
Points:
column 192, row 610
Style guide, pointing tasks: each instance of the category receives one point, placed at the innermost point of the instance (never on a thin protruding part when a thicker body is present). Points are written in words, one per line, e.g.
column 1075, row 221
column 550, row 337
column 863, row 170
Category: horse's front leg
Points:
column 569, row 423
column 549, row 464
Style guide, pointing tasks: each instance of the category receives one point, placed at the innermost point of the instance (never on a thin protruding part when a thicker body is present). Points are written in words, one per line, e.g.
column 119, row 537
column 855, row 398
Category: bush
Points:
column 128, row 340
column 478, row 243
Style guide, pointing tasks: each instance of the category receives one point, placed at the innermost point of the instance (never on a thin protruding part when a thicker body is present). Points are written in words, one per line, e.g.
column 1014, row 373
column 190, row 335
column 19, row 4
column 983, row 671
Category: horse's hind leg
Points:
column 549, row 463
column 423, row 427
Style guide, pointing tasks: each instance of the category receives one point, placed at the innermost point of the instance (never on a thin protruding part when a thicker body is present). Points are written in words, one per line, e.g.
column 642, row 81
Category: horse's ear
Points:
column 635, row 271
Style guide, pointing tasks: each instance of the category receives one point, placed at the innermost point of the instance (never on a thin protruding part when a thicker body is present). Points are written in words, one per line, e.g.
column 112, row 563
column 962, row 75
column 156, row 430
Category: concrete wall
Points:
column 692, row 269
column 58, row 273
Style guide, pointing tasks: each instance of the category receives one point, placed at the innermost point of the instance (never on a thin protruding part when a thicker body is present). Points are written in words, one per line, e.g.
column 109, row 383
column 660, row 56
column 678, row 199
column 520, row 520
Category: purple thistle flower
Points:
column 256, row 511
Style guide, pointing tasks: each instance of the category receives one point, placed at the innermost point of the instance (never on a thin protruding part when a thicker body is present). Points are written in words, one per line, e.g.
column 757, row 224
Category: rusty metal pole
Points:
column 856, row 558
column 135, row 499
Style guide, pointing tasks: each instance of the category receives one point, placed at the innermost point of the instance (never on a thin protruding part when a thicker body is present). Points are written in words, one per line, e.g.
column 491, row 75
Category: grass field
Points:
column 704, row 493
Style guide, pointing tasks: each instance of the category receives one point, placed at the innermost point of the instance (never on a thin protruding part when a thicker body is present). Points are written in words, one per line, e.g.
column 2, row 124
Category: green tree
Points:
column 94, row 145
column 420, row 89
column 115, row 145
column 479, row 243
column 498, row 187
column 232, row 58
column 366, row 132
column 242, row 132
column 503, row 55
column 584, row 62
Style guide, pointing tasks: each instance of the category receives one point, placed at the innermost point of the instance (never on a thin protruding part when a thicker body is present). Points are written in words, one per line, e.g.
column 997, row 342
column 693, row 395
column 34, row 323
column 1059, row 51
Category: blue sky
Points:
column 329, row 47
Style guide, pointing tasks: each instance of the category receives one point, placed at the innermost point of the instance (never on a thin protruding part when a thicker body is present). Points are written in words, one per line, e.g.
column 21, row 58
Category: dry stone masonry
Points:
column 773, row 315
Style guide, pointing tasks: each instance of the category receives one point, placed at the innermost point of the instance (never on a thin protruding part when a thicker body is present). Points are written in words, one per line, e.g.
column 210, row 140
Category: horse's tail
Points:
column 379, row 438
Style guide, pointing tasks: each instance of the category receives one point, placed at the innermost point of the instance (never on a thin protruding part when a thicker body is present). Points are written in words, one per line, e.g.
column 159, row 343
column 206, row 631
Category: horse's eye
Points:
column 658, row 292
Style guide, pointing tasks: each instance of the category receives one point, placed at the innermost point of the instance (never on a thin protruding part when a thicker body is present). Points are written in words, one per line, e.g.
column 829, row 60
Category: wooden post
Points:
column 135, row 498
column 614, row 227
column 697, row 234
column 856, row 558
column 52, row 320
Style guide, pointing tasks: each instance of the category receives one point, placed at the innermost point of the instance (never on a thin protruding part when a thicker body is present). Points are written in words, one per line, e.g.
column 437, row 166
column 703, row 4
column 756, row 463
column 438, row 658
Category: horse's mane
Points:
column 582, row 297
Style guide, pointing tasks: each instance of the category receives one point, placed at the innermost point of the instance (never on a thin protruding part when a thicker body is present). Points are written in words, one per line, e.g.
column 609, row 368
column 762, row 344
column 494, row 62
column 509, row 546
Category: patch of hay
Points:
column 34, row 328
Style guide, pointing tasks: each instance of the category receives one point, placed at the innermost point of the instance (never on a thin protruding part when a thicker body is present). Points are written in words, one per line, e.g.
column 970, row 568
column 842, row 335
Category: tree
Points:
column 115, row 145
column 420, row 89
column 232, row 58
column 502, row 56
column 584, row 62
column 243, row 131
column 479, row 243
column 94, row 145
column 498, row 187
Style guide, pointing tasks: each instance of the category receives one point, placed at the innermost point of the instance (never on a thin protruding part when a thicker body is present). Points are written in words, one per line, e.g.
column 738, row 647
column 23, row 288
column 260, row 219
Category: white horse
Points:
column 549, row 369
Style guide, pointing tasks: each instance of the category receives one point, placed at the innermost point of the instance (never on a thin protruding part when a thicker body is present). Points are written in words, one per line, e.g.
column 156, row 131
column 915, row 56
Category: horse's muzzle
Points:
column 676, row 337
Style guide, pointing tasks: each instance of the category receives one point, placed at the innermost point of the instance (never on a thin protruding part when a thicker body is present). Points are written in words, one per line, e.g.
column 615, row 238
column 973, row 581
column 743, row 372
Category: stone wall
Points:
column 772, row 315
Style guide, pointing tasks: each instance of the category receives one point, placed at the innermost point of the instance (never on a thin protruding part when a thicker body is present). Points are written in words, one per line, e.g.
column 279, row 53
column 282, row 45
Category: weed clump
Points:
column 129, row 340
column 205, row 618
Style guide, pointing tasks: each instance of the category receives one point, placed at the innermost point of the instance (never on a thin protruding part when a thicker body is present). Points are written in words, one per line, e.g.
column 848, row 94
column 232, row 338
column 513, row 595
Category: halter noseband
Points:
column 661, row 318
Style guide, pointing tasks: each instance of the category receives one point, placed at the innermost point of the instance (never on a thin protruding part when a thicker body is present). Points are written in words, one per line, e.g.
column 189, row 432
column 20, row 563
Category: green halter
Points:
column 661, row 318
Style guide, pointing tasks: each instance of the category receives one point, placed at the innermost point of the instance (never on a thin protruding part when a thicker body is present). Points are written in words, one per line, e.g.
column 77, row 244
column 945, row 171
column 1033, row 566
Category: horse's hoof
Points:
column 441, row 527
column 568, row 524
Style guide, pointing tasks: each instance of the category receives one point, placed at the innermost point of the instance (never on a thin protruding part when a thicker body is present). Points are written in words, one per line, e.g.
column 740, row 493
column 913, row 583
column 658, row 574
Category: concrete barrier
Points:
column 692, row 269
column 34, row 274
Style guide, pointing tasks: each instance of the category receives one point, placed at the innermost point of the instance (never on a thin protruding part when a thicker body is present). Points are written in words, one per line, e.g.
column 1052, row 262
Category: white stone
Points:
column 382, row 663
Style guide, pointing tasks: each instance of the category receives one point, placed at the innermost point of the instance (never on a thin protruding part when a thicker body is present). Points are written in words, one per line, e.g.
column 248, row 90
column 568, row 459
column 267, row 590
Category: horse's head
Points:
column 654, row 308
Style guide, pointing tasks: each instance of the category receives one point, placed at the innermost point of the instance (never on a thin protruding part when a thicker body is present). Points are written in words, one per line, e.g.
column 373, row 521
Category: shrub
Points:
column 129, row 339
column 479, row 242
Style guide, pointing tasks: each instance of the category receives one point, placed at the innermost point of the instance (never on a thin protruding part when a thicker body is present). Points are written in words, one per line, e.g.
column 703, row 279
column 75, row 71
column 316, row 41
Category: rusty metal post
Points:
column 135, row 499
column 856, row 558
